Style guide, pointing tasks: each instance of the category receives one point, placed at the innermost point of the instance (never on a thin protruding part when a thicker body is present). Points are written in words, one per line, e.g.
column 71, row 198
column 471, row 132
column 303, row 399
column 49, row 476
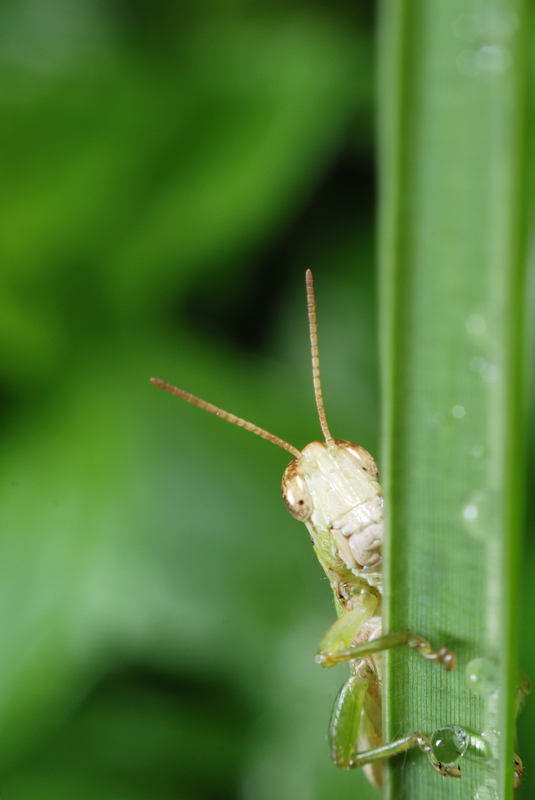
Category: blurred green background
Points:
column 170, row 170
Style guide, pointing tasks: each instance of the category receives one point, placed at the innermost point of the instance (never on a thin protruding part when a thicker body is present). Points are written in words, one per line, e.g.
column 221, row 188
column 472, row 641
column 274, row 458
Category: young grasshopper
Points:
column 333, row 487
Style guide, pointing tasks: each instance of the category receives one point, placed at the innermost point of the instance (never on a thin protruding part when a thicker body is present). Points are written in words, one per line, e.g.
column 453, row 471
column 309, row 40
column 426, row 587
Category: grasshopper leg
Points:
column 522, row 692
column 346, row 718
column 342, row 633
column 357, row 709
column 519, row 769
column 328, row 657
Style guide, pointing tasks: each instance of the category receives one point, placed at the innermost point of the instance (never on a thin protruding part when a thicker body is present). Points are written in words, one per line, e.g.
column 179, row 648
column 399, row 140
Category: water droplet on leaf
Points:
column 476, row 514
column 476, row 324
column 449, row 744
column 482, row 676
column 485, row 793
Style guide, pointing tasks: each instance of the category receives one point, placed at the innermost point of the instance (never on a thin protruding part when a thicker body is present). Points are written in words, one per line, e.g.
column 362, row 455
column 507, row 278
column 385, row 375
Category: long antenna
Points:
column 311, row 302
column 241, row 423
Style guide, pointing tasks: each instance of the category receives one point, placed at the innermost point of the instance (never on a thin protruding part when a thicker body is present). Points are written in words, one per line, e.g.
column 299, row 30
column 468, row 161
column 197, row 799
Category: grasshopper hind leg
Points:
column 346, row 716
column 356, row 716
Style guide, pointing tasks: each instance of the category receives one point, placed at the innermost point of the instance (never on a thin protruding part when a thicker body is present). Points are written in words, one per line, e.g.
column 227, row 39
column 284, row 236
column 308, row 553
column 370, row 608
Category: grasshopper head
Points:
column 329, row 479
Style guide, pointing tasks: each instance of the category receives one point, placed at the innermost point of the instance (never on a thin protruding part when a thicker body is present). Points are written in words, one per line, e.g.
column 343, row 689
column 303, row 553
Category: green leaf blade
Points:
column 452, row 270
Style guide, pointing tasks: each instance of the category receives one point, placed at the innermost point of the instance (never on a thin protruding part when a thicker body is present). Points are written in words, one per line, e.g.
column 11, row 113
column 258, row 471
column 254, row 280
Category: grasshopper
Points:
column 333, row 487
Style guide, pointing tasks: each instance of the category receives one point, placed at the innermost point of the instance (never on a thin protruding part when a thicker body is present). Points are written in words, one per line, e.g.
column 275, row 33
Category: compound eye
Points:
column 361, row 456
column 295, row 493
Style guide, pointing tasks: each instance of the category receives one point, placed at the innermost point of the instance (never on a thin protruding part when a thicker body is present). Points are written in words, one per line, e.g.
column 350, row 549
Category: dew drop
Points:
column 477, row 363
column 493, row 58
column 498, row 23
column 491, row 736
column 476, row 324
column 476, row 512
column 480, row 745
column 470, row 512
column 449, row 744
column 458, row 411
column 485, row 793
column 490, row 372
column 482, row 676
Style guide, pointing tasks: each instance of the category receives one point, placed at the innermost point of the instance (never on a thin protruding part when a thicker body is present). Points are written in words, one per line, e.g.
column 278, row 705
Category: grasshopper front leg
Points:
column 330, row 653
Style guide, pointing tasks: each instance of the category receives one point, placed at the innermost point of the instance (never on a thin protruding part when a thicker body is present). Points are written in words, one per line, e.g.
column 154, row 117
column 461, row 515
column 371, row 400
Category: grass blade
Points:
column 452, row 257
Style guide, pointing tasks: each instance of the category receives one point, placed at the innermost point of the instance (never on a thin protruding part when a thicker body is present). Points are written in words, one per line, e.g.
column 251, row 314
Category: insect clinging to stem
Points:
column 333, row 487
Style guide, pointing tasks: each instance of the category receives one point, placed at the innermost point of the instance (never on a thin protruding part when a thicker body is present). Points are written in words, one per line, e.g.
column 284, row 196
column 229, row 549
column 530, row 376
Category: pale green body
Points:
column 347, row 500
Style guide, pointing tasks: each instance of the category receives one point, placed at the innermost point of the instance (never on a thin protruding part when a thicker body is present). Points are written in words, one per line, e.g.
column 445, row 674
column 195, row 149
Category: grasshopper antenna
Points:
column 311, row 303
column 241, row 423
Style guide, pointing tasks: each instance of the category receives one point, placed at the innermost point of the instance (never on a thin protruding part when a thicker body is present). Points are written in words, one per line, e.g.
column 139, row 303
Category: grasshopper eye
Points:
column 361, row 456
column 295, row 493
